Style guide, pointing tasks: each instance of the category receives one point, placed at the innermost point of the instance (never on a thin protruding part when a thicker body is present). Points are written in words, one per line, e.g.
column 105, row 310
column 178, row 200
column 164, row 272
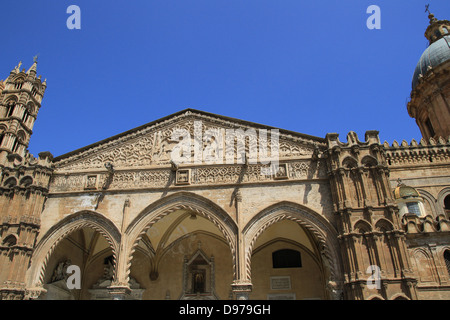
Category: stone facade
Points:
column 336, row 220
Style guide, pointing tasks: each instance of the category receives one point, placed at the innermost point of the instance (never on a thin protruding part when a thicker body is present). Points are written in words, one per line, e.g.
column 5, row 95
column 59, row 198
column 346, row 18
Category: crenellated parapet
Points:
column 423, row 225
column 425, row 152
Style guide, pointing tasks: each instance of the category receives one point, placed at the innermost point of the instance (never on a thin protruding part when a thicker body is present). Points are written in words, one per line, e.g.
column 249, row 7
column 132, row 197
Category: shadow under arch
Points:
column 180, row 201
column 71, row 223
column 321, row 231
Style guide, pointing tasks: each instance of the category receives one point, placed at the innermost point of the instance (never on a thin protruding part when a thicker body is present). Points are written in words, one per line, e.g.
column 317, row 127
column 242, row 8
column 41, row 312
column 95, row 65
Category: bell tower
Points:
column 430, row 95
column 20, row 100
column 24, row 180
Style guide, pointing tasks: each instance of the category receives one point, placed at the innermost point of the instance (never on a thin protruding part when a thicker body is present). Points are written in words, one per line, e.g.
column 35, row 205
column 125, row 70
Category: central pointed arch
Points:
column 179, row 201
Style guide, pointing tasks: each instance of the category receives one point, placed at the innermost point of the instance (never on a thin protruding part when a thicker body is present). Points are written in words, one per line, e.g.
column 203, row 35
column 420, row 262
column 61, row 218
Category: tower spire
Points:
column 33, row 66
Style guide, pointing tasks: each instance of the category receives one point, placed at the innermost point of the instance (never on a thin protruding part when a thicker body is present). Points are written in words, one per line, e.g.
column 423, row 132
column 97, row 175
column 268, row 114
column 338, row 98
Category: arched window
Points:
column 286, row 258
column 447, row 260
column 447, row 205
column 11, row 108
column 413, row 207
column 19, row 84
column 25, row 116
column 2, row 134
column 15, row 145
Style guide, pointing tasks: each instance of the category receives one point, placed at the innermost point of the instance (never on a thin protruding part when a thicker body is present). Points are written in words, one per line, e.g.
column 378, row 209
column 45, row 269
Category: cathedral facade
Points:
column 201, row 206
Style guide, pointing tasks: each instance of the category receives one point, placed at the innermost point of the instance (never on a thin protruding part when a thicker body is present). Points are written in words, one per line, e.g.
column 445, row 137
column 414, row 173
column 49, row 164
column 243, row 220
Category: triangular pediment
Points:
column 150, row 145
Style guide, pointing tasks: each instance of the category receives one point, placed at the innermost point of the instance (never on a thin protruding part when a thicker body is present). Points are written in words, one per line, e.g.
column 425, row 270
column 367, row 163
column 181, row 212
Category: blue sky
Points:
column 306, row 66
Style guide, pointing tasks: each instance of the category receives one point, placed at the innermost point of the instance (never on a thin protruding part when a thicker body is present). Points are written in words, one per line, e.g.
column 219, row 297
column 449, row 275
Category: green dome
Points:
column 404, row 192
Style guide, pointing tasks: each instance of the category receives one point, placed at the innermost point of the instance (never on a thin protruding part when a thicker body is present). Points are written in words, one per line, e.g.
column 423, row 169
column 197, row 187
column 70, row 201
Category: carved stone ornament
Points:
column 199, row 277
column 153, row 145
column 158, row 178
column 183, row 176
column 101, row 290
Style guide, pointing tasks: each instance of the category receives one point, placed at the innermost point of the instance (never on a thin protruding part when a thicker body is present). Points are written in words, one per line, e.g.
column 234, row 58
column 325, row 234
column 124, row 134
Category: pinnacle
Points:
column 33, row 67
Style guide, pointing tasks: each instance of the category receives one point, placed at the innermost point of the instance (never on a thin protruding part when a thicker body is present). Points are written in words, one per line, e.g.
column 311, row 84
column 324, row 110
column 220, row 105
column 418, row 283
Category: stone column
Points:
column 120, row 288
column 241, row 285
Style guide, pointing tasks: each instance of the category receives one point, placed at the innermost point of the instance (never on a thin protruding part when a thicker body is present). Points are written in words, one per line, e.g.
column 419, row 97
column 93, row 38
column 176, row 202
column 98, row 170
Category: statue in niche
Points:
column 198, row 281
column 198, row 277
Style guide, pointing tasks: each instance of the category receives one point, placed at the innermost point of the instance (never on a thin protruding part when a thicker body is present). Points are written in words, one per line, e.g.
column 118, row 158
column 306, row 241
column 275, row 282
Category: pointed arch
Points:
column 362, row 226
column 430, row 200
column 19, row 77
column 384, row 225
column 71, row 223
column 424, row 265
column 349, row 162
column 322, row 232
column 179, row 201
column 26, row 181
column 12, row 99
column 369, row 161
column 10, row 182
